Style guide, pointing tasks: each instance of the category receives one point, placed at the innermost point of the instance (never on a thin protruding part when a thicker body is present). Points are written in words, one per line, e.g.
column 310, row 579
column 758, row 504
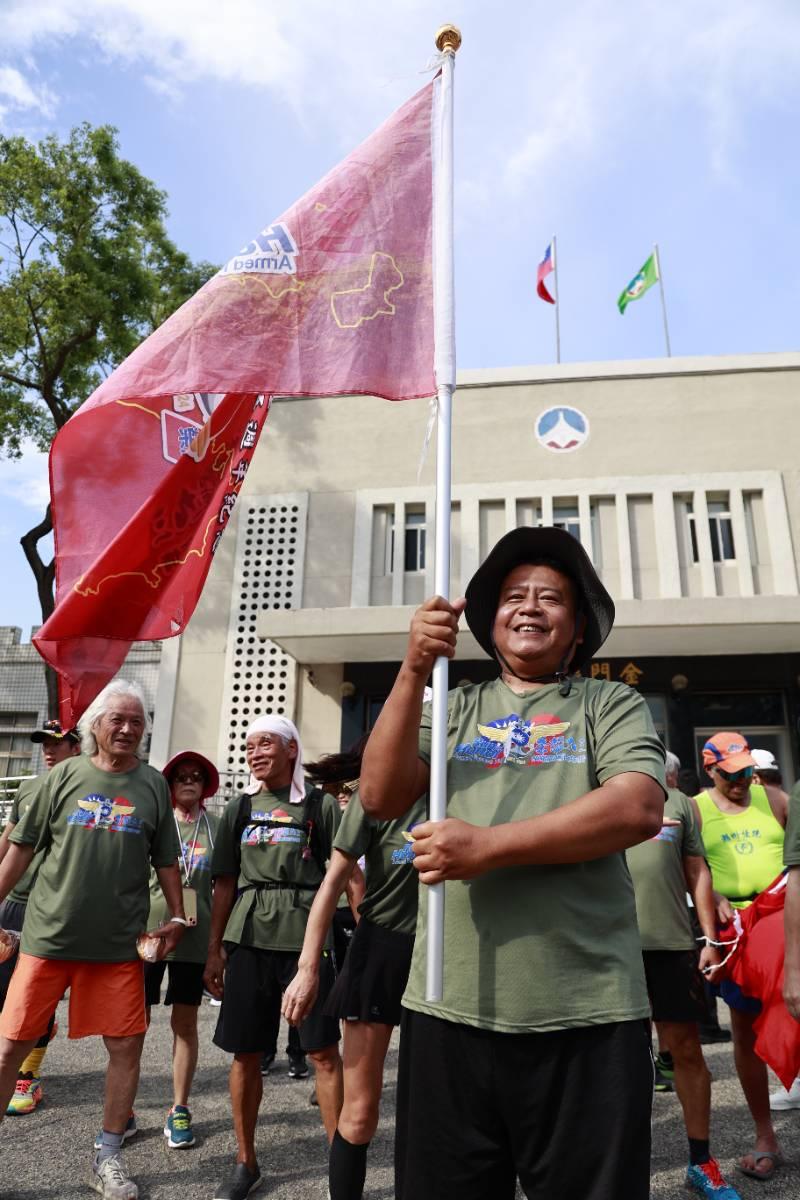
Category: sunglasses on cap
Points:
column 347, row 788
column 736, row 776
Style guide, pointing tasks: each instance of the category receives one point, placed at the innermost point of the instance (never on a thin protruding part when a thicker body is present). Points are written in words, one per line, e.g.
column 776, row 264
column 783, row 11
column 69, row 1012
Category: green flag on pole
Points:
column 641, row 282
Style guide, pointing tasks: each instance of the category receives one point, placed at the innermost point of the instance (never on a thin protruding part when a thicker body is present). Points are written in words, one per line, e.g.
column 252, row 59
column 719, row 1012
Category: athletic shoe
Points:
column 27, row 1096
column 781, row 1100
column 111, row 1180
column 298, row 1067
column 178, row 1129
column 665, row 1065
column 707, row 1179
column 662, row 1084
column 129, row 1131
column 267, row 1063
column 241, row 1183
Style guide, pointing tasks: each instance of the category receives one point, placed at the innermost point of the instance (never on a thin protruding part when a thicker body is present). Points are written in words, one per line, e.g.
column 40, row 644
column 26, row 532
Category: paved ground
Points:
column 46, row 1155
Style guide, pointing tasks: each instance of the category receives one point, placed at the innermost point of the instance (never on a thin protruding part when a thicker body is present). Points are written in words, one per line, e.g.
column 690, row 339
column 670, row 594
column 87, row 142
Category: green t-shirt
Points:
column 273, row 918
column 197, row 846
column 656, row 867
column 99, row 833
column 537, row 948
column 791, row 843
column 392, row 886
column 26, row 794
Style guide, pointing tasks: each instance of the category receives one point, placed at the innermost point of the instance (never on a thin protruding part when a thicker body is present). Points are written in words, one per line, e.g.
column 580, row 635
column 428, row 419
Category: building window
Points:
column 720, row 530
column 565, row 516
column 16, row 748
column 413, row 542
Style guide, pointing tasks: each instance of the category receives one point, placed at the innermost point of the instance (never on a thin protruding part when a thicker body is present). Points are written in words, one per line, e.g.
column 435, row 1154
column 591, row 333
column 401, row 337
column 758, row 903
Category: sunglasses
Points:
column 347, row 788
column 736, row 776
column 189, row 777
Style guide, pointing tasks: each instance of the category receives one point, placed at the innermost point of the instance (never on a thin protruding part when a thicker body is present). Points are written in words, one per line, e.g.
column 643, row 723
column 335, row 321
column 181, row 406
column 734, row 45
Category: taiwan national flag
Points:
column 546, row 266
column 335, row 297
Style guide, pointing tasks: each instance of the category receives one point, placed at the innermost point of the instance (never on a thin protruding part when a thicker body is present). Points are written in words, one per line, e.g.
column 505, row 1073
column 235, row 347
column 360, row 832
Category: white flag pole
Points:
column 448, row 40
column 663, row 301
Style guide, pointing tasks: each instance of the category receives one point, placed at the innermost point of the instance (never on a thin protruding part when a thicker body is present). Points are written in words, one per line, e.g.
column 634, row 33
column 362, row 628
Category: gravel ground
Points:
column 47, row 1154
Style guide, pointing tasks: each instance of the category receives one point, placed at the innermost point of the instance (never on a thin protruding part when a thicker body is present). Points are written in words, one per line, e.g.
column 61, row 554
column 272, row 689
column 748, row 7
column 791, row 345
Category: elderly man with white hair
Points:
column 99, row 820
column 269, row 861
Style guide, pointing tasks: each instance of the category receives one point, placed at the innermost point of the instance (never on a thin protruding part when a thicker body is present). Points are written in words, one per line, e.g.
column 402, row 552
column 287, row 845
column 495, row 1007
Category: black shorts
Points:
column 342, row 928
column 185, row 984
column 674, row 985
column 370, row 986
column 12, row 914
column 566, row 1112
column 253, row 978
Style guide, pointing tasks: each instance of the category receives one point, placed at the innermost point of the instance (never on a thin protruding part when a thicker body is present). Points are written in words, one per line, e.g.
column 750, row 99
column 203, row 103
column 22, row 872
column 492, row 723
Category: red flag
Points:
column 333, row 298
column 546, row 266
column 756, row 964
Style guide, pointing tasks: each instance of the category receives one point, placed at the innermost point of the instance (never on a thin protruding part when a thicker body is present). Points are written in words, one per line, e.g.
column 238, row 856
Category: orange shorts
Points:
column 105, row 999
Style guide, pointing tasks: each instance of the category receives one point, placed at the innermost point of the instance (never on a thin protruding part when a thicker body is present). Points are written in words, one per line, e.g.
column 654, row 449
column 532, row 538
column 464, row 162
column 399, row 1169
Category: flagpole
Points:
column 663, row 301
column 448, row 40
column 558, row 302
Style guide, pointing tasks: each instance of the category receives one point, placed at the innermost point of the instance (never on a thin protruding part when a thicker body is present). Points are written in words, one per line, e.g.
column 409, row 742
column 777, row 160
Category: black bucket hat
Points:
column 527, row 544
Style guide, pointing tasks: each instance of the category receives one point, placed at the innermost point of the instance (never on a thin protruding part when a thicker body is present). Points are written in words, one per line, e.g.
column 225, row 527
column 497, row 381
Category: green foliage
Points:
column 86, row 272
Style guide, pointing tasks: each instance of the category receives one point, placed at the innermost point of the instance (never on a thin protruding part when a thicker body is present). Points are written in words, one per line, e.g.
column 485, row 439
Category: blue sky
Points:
column 614, row 123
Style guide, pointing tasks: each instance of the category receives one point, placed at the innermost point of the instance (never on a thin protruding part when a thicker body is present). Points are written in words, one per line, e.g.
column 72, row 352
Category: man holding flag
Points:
column 541, row 1036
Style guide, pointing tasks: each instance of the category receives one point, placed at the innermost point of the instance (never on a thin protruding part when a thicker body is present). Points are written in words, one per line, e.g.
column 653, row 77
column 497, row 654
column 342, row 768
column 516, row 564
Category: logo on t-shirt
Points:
column 97, row 811
column 405, row 855
column 514, row 741
column 196, row 858
column 669, row 833
column 266, row 835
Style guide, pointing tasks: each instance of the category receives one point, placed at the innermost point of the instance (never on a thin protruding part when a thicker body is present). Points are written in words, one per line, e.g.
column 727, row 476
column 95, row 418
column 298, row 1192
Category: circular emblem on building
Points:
column 562, row 428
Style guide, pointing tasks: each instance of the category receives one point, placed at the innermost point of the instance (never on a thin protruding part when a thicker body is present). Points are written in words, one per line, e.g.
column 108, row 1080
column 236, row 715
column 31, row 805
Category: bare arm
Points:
column 4, row 842
column 698, row 882
column 622, row 812
column 392, row 774
column 15, row 863
column 221, row 906
column 301, row 993
column 169, row 880
column 791, row 925
column 356, row 890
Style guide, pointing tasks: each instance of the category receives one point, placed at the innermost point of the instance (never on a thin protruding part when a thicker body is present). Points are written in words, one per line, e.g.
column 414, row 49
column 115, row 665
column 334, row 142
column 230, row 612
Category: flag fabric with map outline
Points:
column 335, row 297
column 642, row 281
column 546, row 266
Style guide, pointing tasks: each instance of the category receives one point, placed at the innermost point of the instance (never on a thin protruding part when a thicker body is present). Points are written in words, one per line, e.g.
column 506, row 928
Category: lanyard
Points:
column 187, row 871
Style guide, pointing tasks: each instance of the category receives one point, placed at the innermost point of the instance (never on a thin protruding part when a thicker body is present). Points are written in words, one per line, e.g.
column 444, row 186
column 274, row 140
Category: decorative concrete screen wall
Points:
column 259, row 677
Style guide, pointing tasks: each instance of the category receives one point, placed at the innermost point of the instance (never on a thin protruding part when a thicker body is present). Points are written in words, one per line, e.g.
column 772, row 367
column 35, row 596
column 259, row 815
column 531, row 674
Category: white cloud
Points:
column 16, row 92
column 24, row 481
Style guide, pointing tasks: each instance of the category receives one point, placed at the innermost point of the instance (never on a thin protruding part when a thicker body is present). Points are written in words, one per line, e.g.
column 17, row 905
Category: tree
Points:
column 87, row 270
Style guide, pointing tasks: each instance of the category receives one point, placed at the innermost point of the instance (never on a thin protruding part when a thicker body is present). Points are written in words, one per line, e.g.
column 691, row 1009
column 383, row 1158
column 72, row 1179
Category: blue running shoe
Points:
column 178, row 1129
column 707, row 1179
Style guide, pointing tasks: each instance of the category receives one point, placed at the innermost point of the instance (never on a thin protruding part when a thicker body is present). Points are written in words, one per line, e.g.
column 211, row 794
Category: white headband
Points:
column 284, row 728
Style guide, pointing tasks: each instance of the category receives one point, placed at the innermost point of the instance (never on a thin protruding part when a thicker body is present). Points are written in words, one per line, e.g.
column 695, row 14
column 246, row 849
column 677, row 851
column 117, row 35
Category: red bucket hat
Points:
column 729, row 751
column 212, row 774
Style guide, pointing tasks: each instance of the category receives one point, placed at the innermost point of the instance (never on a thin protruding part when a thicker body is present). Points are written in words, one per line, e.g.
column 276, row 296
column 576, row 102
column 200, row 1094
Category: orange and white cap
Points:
column 729, row 751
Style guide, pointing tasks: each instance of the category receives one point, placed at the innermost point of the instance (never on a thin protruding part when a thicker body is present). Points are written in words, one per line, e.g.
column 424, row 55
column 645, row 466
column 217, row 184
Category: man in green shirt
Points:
column 99, row 822
column 57, row 745
column 536, row 1063
column 663, row 869
column 269, row 860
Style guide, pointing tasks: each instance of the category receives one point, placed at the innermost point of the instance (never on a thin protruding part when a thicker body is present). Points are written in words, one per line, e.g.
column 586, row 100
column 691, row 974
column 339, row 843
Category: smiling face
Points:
column 535, row 622
column 121, row 727
column 271, row 759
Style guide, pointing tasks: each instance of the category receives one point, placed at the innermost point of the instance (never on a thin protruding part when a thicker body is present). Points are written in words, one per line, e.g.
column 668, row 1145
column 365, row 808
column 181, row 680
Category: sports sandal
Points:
column 774, row 1155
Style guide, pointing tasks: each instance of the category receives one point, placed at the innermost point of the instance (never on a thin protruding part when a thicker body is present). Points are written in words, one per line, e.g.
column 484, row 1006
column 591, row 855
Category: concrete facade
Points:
column 686, row 493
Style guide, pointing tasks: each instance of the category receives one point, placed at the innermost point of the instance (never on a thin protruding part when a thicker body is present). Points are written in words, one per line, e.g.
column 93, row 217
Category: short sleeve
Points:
column 330, row 819
column 624, row 735
column 226, row 857
column 355, row 831
column 692, row 840
column 164, row 848
column 791, row 844
column 26, row 791
column 34, row 828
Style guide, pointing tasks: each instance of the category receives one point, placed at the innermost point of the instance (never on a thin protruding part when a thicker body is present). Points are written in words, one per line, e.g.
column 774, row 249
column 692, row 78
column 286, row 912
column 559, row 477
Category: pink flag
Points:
column 335, row 297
